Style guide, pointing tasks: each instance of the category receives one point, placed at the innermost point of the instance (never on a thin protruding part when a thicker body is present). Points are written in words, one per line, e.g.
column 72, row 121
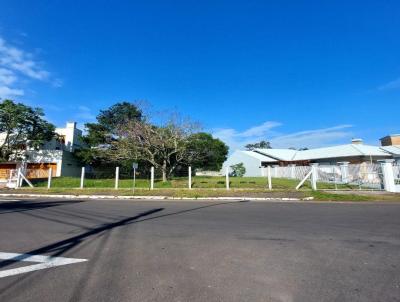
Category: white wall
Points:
column 251, row 164
column 70, row 165
column 72, row 136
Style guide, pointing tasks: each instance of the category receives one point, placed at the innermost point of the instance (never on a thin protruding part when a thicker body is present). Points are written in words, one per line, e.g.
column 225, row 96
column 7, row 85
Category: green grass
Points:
column 203, row 187
column 182, row 182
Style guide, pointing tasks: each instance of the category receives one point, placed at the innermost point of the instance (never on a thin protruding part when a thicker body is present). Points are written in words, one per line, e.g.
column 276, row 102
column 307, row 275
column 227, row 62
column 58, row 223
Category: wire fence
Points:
column 364, row 176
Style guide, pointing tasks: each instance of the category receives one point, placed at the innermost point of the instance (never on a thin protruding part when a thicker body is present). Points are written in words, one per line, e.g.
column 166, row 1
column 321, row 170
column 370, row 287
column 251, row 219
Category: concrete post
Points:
column 269, row 178
column 82, row 177
column 18, row 184
column 314, row 176
column 190, row 177
column 388, row 175
column 152, row 178
column 344, row 170
column 292, row 171
column 49, row 178
column 227, row 178
column 116, row 177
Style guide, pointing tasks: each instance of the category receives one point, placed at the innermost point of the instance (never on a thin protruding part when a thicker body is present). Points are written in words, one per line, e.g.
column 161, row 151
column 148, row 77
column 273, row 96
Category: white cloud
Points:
column 7, row 77
column 309, row 138
column 238, row 139
column 16, row 64
column 259, row 130
column 6, row 92
column 313, row 138
column 390, row 85
column 19, row 60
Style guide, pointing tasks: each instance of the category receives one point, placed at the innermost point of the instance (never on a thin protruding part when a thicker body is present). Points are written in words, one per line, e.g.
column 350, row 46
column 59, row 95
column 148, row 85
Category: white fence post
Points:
column 49, row 178
column 18, row 178
column 344, row 170
column 314, row 176
column 388, row 175
column 116, row 177
column 190, row 177
column 227, row 178
column 82, row 177
column 269, row 178
column 152, row 178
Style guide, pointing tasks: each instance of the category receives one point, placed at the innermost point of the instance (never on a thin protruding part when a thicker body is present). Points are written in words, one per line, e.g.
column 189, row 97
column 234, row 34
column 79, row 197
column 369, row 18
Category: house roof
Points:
column 259, row 156
column 394, row 149
column 279, row 154
column 348, row 150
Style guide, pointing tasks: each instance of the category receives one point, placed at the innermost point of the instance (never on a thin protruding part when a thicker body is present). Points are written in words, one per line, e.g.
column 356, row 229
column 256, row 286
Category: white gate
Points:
column 396, row 175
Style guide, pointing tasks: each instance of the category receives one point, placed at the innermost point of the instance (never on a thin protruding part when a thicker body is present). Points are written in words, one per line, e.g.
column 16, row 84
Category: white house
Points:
column 55, row 154
column 356, row 152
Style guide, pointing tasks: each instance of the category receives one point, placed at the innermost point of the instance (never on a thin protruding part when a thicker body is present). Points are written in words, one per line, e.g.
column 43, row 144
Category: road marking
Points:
column 44, row 262
column 4, row 200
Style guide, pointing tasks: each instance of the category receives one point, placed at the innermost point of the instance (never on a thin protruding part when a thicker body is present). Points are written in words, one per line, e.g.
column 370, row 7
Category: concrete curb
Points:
column 70, row 196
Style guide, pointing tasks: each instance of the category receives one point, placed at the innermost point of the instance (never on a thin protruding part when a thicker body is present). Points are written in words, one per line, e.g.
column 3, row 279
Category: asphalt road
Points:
column 202, row 251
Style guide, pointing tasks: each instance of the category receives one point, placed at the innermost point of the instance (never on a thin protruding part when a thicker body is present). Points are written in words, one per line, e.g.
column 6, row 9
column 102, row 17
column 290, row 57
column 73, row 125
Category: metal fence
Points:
column 365, row 176
column 396, row 172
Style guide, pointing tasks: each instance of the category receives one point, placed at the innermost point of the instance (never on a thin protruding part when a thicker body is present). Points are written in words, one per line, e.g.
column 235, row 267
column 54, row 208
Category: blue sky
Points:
column 297, row 73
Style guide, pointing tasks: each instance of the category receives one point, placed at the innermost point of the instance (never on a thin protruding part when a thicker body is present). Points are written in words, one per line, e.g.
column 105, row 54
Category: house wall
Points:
column 72, row 136
column 390, row 140
column 46, row 156
column 251, row 164
column 70, row 165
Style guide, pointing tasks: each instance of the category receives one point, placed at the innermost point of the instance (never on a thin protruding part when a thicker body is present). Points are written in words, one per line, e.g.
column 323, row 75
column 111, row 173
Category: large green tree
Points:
column 210, row 152
column 104, row 131
column 21, row 127
column 100, row 135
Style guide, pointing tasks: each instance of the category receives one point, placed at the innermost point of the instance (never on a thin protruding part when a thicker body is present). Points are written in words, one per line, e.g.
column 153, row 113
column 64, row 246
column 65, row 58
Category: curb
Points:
column 153, row 197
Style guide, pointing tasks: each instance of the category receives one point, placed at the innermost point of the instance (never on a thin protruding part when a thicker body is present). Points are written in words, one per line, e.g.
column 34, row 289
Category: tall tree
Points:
column 109, row 121
column 210, row 152
column 165, row 147
column 22, row 127
column 101, row 134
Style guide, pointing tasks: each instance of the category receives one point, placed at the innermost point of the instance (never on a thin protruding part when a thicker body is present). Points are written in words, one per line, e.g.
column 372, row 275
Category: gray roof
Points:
column 259, row 156
column 395, row 149
column 279, row 154
column 349, row 150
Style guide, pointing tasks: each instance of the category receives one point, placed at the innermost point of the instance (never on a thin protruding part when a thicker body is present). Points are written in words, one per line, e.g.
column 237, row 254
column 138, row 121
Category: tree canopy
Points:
column 260, row 145
column 210, row 152
column 123, row 134
column 22, row 127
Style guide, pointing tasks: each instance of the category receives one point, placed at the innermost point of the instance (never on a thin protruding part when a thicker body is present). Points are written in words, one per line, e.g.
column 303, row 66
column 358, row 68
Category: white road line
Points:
column 4, row 200
column 44, row 262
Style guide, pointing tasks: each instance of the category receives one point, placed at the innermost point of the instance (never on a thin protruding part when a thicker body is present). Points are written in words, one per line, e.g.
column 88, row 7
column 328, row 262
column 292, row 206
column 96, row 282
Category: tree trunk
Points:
column 164, row 171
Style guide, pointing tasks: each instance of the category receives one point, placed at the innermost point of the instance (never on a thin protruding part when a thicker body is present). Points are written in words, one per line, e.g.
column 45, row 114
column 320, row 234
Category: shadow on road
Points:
column 63, row 246
column 28, row 205
column 60, row 247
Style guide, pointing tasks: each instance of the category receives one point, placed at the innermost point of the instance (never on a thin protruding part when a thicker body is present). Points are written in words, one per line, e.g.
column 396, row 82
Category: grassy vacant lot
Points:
column 182, row 182
column 202, row 187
